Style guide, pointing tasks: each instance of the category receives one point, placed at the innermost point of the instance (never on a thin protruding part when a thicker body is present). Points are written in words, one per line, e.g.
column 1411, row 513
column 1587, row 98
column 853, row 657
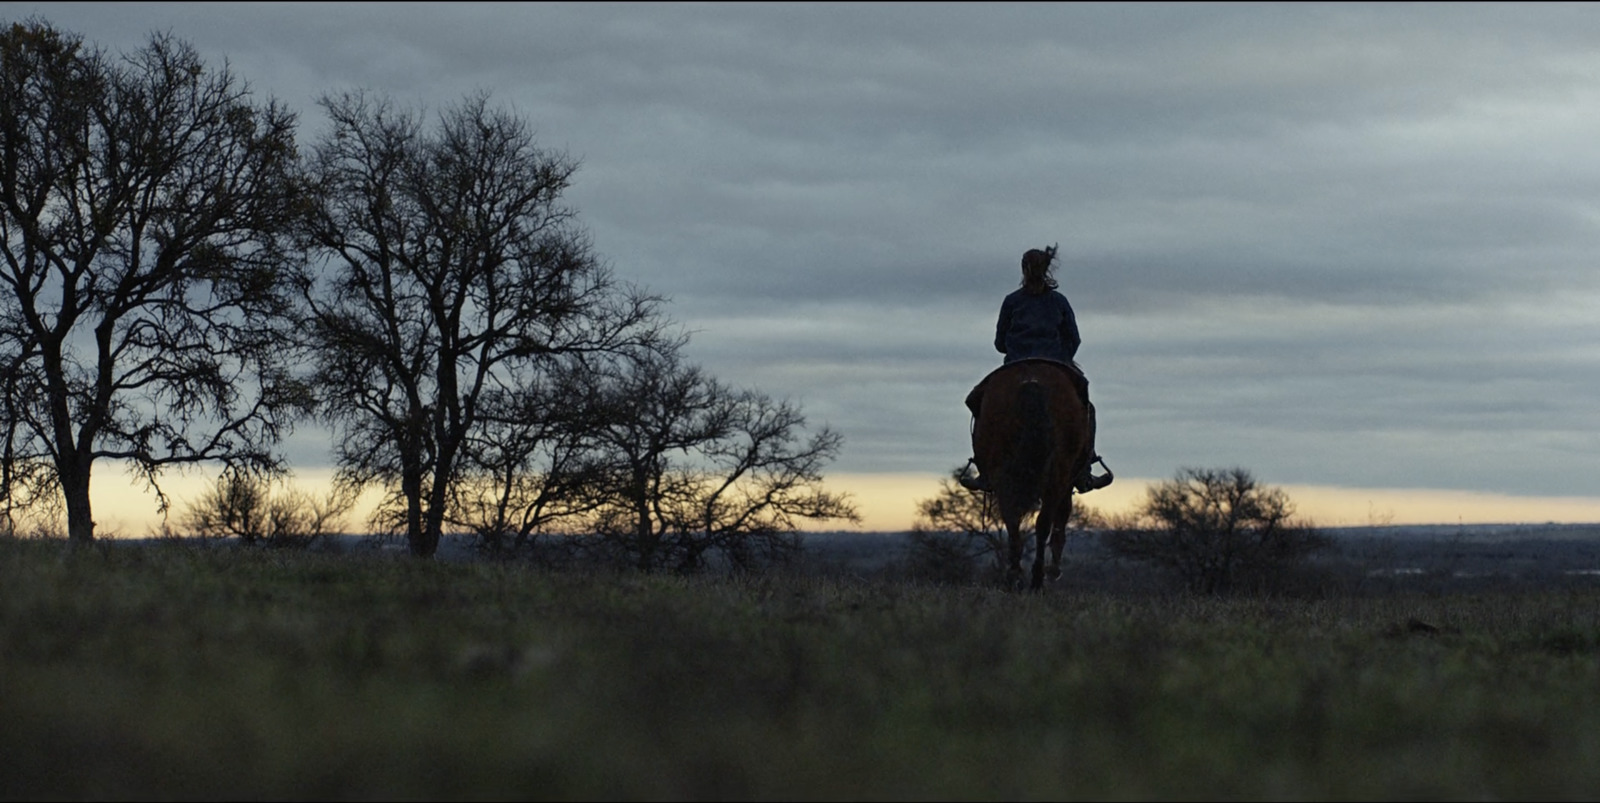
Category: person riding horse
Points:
column 1037, row 323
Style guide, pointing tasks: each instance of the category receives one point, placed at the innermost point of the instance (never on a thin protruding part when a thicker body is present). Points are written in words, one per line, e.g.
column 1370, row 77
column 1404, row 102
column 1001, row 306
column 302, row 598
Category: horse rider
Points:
column 1037, row 322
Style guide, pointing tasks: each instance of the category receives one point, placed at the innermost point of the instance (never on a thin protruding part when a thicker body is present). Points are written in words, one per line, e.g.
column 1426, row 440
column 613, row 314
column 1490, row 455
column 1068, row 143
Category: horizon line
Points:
column 888, row 501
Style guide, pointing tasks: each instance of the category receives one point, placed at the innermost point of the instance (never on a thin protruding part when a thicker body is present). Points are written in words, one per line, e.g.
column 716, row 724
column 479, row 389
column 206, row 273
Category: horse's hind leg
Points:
column 1042, row 527
column 1013, row 555
column 1014, row 563
column 1058, row 537
column 1013, row 514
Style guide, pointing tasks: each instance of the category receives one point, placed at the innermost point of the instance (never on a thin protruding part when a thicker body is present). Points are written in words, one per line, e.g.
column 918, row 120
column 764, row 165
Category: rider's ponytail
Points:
column 1037, row 266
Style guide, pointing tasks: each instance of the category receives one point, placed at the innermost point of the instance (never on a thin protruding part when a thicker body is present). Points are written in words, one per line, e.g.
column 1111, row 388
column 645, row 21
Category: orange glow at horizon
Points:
column 888, row 503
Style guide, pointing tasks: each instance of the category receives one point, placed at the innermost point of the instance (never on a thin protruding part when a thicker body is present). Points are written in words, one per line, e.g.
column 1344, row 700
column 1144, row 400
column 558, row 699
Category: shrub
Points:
column 249, row 508
column 1218, row 530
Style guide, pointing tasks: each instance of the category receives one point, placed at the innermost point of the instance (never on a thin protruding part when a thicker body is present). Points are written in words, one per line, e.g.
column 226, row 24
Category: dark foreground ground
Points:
column 1425, row 663
column 1423, row 558
column 1451, row 553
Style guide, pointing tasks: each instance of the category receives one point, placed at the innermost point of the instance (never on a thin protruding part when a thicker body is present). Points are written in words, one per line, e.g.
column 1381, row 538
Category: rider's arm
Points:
column 1069, row 329
column 1002, row 326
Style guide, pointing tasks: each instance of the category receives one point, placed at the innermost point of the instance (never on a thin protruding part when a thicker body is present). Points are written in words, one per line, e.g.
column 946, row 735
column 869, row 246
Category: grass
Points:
column 181, row 672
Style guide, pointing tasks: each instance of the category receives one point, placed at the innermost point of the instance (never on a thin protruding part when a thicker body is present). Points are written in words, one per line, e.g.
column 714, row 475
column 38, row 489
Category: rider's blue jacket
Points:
column 1037, row 326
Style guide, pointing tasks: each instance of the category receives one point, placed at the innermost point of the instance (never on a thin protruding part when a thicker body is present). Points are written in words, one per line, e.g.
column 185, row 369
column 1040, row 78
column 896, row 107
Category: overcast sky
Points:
column 1340, row 245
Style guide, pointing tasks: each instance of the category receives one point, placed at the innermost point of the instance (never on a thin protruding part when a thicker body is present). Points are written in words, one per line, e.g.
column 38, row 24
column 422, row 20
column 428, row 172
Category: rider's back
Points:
column 1037, row 324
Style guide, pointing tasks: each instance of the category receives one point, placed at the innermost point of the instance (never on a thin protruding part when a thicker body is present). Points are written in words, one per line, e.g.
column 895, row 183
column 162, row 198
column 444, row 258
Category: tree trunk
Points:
column 433, row 517
column 411, row 489
column 644, row 530
column 645, row 535
column 432, row 523
column 80, row 516
column 427, row 541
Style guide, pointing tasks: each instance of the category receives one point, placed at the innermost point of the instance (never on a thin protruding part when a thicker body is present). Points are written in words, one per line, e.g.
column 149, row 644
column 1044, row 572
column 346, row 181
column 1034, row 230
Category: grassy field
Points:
column 176, row 672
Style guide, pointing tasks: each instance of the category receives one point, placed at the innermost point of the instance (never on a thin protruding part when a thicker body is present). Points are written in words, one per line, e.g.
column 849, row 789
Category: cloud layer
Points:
column 1346, row 244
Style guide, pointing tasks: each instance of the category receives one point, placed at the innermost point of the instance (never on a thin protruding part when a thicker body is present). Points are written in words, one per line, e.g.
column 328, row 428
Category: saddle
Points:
column 1087, row 480
column 1072, row 370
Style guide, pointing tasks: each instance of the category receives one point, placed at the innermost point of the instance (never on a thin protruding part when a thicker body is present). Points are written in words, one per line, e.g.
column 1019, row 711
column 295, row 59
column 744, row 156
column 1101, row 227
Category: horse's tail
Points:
column 1030, row 459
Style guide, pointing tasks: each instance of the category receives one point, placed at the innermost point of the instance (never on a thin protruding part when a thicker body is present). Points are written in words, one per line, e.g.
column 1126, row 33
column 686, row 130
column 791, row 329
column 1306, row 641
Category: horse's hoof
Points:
column 1054, row 574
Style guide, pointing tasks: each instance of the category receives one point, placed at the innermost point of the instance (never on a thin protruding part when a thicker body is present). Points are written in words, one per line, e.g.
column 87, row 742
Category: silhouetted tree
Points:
column 456, row 278
column 144, row 205
column 27, row 479
column 698, row 467
column 1217, row 529
column 532, row 468
column 258, row 511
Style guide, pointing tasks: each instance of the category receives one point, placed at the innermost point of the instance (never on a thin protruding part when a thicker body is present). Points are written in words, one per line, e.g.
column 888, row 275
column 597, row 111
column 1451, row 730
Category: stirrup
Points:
column 970, row 481
column 1089, row 481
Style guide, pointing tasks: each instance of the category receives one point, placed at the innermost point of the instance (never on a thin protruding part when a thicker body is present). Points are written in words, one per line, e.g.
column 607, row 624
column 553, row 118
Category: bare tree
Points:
column 955, row 532
column 258, row 511
column 532, row 468
column 456, row 277
column 27, row 479
column 1217, row 530
column 145, row 205
column 701, row 468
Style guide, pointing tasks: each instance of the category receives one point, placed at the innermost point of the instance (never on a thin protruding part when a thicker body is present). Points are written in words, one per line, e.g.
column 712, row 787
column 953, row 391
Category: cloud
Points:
column 1334, row 243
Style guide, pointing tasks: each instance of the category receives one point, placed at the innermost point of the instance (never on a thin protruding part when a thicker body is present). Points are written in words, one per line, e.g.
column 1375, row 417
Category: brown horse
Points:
column 1031, row 439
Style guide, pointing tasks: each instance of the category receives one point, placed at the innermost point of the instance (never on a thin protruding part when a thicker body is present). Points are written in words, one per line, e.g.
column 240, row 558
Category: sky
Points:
column 1352, row 248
